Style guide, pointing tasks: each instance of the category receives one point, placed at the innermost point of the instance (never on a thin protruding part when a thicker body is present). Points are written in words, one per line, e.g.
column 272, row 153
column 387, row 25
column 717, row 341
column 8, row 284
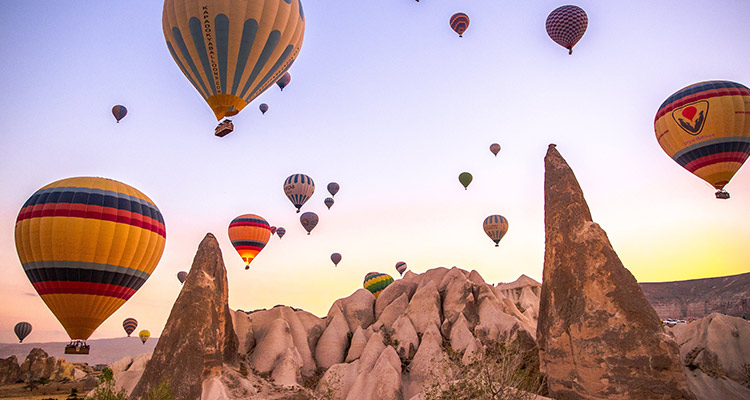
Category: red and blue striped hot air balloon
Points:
column 249, row 234
column 495, row 226
column 459, row 22
column 281, row 232
column 328, row 202
column 87, row 245
column 129, row 324
column 401, row 267
column 705, row 128
column 119, row 112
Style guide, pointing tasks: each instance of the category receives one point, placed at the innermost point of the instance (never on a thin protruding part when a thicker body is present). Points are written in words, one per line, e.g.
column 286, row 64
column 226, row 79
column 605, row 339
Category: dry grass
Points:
column 54, row 390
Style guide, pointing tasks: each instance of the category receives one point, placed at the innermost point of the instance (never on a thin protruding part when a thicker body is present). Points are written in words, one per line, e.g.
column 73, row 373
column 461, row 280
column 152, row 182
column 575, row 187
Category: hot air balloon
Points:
column 465, row 178
column 298, row 188
column 705, row 127
column 495, row 226
column 336, row 258
column 333, row 188
column 495, row 148
column 284, row 80
column 249, row 234
column 263, row 108
column 401, row 267
column 273, row 230
column 328, row 202
column 281, row 232
column 459, row 23
column 376, row 282
column 181, row 276
column 87, row 245
column 129, row 324
column 144, row 335
column 232, row 51
column 119, row 112
column 308, row 220
column 22, row 329
column 566, row 25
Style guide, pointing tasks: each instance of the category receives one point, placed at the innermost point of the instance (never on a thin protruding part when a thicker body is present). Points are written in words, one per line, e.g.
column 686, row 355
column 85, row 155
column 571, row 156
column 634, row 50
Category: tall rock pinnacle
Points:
column 598, row 336
column 198, row 337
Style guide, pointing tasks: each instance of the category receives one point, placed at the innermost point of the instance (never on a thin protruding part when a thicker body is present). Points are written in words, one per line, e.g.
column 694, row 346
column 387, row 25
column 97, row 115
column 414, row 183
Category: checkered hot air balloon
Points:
column 459, row 22
column 705, row 127
column 566, row 25
column 249, row 234
column 376, row 282
column 495, row 226
column 87, row 245
column 129, row 324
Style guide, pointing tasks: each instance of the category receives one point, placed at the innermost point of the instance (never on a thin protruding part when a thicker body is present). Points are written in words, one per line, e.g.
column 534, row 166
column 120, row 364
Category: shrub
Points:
column 106, row 389
column 161, row 392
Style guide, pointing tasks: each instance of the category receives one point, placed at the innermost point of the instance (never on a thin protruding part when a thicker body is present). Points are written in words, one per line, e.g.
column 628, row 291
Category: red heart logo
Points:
column 689, row 112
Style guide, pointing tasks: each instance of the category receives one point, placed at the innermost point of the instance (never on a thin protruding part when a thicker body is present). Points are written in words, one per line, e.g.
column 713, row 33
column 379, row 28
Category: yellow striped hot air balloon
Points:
column 376, row 282
column 705, row 128
column 233, row 50
column 87, row 245
column 249, row 234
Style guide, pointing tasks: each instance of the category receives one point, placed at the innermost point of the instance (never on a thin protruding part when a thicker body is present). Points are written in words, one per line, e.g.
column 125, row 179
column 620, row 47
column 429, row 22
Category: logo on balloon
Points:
column 692, row 117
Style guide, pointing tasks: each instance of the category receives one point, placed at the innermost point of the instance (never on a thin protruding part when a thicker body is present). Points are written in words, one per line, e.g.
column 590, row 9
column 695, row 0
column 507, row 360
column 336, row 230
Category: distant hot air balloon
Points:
column 566, row 25
column 336, row 258
column 144, row 335
column 273, row 230
column 376, row 282
column 249, row 234
column 281, row 232
column 465, row 178
column 308, row 220
column 459, row 23
column 328, row 202
column 298, row 188
column 705, row 127
column 22, row 329
column 129, row 324
column 263, row 108
column 284, row 80
column 181, row 276
column 495, row 226
column 87, row 245
column 401, row 267
column 232, row 51
column 333, row 188
column 495, row 148
column 119, row 112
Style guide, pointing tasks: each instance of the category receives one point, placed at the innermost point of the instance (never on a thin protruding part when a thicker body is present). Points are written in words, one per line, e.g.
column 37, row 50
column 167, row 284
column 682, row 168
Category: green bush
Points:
column 106, row 389
column 161, row 392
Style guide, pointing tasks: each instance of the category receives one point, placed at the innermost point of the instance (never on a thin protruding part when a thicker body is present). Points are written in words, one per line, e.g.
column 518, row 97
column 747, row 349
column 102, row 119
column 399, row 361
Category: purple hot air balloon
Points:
column 328, row 202
column 119, row 112
column 263, row 107
column 281, row 232
column 182, row 275
column 308, row 220
column 336, row 258
column 284, row 80
column 333, row 188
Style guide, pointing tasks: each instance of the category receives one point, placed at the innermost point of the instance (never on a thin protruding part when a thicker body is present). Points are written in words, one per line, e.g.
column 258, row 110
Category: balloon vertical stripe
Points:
column 221, row 23
column 249, row 31
column 186, row 56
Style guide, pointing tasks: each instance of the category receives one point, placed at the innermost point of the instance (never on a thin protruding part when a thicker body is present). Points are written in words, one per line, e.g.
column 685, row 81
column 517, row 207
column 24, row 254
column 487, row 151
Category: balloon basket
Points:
column 77, row 348
column 722, row 194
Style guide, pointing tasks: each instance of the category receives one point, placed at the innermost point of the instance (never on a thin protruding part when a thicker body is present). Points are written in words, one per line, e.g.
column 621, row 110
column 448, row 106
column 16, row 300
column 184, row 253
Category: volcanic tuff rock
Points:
column 598, row 337
column 198, row 337
column 10, row 371
column 697, row 298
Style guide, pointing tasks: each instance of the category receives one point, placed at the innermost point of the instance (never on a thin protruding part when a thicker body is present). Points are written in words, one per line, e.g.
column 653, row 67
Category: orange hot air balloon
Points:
column 249, row 234
column 705, row 128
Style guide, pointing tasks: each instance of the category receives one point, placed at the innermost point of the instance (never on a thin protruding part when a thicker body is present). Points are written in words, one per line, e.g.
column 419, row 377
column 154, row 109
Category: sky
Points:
column 389, row 102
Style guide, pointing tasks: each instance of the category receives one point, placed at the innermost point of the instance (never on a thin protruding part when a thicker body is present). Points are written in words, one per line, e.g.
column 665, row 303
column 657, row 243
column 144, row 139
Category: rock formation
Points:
column 39, row 365
column 715, row 351
column 10, row 371
column 697, row 298
column 198, row 338
column 598, row 336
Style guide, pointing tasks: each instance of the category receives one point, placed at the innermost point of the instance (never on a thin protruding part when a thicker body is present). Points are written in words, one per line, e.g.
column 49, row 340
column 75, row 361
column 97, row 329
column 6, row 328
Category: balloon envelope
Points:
column 144, row 335
column 308, row 220
column 465, row 178
column 281, row 232
column 328, row 202
column 298, row 188
column 495, row 226
column 263, row 108
column 376, row 282
column 333, row 188
column 336, row 258
column 87, row 245
column 273, row 230
column 459, row 22
column 119, row 112
column 401, row 267
column 181, row 276
column 129, row 324
column 495, row 148
column 566, row 25
column 705, row 128
column 284, row 80
column 249, row 234
column 232, row 51
column 22, row 329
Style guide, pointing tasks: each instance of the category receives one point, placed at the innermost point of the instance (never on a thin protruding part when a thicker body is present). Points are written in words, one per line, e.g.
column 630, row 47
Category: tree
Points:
column 106, row 389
